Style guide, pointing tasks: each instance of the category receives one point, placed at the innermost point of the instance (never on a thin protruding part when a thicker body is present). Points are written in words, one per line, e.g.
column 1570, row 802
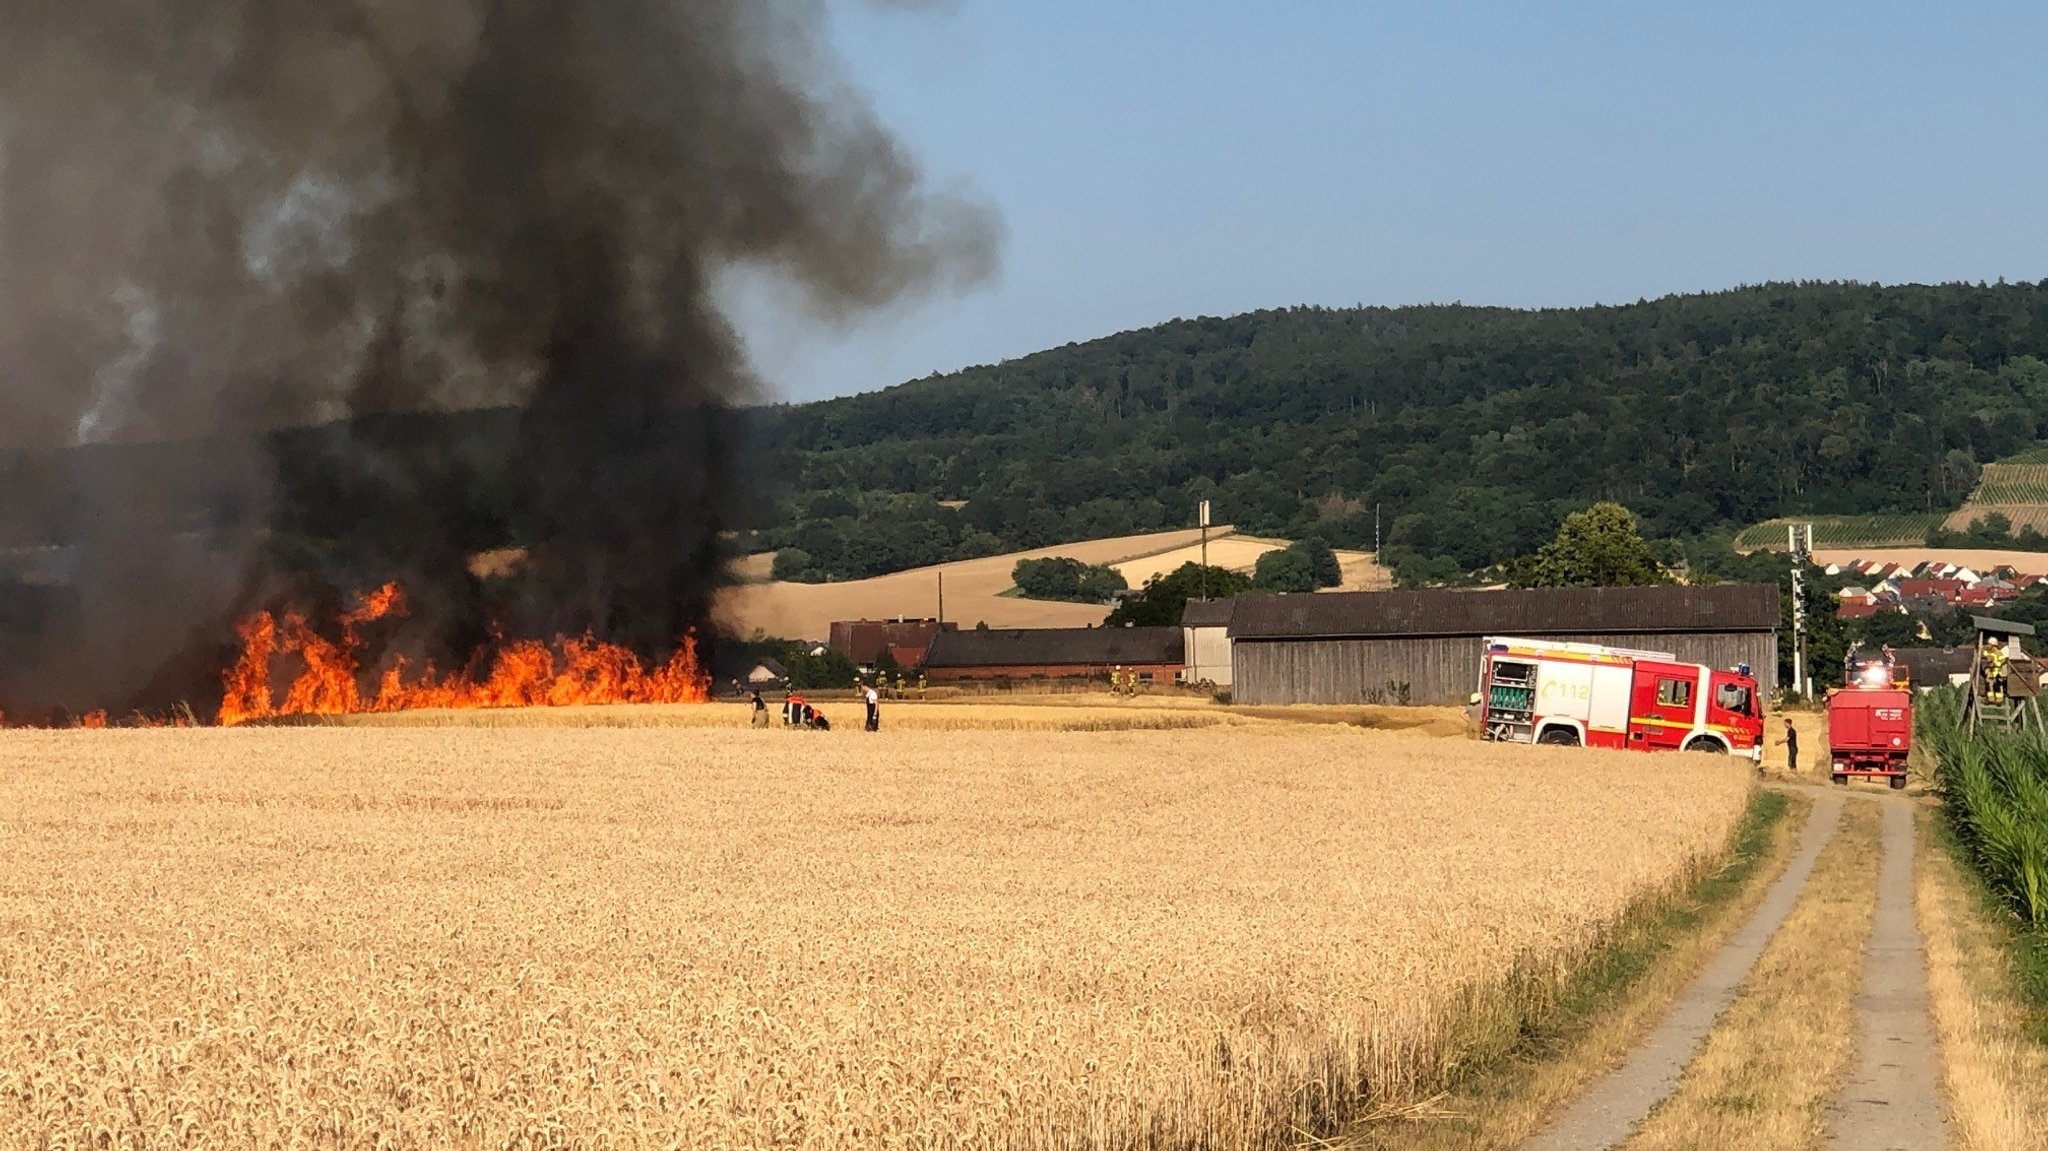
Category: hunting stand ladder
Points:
column 2008, row 697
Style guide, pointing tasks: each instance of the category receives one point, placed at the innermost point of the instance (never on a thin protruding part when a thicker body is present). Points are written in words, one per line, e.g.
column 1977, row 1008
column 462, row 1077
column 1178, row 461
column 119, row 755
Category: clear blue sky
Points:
column 1153, row 160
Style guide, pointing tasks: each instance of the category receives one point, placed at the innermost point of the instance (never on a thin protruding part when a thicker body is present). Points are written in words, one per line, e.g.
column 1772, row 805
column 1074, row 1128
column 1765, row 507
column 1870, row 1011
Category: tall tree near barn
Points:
column 1598, row 547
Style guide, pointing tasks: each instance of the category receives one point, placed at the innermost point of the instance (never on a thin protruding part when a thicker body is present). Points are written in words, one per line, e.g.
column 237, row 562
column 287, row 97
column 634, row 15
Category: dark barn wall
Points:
column 1443, row 670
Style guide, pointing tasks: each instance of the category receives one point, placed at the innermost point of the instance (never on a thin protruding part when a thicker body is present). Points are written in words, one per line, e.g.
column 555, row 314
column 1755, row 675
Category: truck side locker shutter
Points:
column 1611, row 684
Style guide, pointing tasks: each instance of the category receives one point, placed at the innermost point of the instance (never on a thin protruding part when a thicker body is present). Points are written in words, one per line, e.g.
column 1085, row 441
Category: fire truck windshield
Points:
column 1732, row 697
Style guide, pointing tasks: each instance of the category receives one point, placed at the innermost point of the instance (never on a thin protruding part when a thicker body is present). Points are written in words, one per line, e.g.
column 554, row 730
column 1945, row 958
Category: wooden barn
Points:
column 1205, row 639
column 1154, row 653
column 1423, row 646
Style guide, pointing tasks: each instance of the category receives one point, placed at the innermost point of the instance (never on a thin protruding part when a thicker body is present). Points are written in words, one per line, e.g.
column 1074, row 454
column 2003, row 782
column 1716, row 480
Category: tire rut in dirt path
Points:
column 1893, row 1098
column 1604, row 1115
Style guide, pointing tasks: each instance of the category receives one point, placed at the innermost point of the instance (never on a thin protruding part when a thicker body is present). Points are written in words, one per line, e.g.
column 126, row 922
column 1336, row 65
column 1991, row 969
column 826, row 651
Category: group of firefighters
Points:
column 801, row 713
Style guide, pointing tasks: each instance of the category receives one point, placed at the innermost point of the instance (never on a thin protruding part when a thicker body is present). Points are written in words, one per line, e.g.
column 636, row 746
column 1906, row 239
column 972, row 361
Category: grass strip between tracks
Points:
column 1519, row 1064
column 1780, row 1053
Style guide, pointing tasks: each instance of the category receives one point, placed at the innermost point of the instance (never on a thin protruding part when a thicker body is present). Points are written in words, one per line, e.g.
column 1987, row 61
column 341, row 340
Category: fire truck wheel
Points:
column 1702, row 743
column 1560, row 737
column 1840, row 778
column 1898, row 783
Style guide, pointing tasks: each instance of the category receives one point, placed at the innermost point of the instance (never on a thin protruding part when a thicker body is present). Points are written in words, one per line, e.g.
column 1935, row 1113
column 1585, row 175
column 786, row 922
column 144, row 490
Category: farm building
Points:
column 1424, row 646
column 1934, row 666
column 1205, row 638
column 864, row 640
column 1154, row 653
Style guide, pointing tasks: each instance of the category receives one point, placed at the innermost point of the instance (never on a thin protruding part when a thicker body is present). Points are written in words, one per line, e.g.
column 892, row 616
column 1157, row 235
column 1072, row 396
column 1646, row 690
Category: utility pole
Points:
column 1799, row 540
column 1376, row 533
column 942, row 595
column 1205, row 548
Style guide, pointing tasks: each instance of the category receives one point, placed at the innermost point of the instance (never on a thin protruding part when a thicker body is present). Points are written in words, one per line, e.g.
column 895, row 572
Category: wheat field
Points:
column 664, row 938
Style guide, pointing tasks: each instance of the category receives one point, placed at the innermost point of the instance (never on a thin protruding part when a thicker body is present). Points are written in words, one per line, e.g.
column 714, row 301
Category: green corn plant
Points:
column 1994, row 789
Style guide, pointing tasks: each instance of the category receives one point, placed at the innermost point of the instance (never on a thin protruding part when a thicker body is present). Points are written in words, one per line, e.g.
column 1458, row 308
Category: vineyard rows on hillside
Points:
column 2011, row 483
column 1844, row 531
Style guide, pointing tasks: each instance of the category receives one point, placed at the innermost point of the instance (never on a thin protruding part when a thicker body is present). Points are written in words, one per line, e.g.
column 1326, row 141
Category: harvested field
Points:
column 974, row 592
column 974, row 588
column 1981, row 559
column 576, row 937
column 2034, row 515
column 1241, row 553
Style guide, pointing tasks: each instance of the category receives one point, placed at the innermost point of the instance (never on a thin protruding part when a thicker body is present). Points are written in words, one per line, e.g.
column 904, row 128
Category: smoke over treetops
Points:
column 224, row 219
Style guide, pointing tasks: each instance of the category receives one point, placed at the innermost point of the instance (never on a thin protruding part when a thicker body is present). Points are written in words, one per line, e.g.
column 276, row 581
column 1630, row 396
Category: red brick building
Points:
column 864, row 640
column 1154, row 653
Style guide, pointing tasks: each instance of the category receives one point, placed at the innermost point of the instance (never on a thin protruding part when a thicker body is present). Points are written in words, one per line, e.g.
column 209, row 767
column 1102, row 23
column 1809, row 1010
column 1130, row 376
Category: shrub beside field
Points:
column 575, row 937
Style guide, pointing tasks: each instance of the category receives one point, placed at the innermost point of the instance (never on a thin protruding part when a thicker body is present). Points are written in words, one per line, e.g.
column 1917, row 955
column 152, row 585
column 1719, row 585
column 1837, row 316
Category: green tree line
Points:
column 1472, row 431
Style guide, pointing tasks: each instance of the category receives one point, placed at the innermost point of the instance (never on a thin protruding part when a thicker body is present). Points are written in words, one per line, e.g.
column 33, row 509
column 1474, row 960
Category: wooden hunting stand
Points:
column 2016, row 705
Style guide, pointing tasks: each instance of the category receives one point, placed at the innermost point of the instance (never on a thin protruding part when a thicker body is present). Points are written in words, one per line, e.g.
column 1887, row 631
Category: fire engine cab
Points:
column 1582, row 694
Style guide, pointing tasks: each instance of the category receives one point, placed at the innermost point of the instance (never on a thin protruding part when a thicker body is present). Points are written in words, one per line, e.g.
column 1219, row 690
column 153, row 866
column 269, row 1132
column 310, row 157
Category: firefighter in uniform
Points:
column 1994, row 672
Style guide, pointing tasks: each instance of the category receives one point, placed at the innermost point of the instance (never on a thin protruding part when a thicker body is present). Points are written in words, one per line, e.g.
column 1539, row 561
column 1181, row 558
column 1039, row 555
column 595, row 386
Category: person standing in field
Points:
column 1791, row 746
column 760, row 711
column 874, row 699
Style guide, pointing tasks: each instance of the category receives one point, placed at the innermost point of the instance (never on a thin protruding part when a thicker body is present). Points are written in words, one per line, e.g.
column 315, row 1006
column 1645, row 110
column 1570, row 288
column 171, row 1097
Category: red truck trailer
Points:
column 1870, row 731
column 1543, row 691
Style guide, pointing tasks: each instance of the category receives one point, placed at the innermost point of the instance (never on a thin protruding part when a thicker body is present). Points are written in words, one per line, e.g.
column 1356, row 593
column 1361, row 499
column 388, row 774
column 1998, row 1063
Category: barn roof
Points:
column 1055, row 647
column 1207, row 613
column 1929, row 665
column 1530, row 611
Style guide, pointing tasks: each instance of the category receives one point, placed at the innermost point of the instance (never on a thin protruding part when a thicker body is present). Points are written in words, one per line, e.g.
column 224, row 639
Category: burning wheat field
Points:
column 700, row 937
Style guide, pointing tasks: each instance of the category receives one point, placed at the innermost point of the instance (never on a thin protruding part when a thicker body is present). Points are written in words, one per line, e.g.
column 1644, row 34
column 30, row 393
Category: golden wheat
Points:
column 580, row 937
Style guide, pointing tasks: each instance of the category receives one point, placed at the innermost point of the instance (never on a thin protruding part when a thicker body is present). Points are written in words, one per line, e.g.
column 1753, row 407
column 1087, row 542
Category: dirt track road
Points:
column 1893, row 1095
column 1893, row 1098
column 1614, row 1104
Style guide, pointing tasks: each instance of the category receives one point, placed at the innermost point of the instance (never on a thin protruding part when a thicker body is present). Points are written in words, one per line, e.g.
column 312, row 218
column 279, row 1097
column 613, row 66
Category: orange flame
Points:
column 522, row 673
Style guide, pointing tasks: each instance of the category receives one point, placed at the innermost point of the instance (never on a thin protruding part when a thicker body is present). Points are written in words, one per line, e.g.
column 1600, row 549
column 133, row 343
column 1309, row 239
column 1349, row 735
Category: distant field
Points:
column 1241, row 553
column 974, row 592
column 1238, row 553
column 1843, row 531
column 974, row 588
column 1979, row 559
column 2021, row 515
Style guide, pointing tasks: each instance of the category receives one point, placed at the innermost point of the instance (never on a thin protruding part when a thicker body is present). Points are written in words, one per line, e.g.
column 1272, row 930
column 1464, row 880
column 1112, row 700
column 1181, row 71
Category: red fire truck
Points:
column 1870, row 725
column 1580, row 694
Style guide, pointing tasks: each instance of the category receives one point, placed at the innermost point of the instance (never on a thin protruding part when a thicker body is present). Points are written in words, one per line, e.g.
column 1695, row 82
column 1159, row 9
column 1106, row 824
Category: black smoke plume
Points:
column 299, row 295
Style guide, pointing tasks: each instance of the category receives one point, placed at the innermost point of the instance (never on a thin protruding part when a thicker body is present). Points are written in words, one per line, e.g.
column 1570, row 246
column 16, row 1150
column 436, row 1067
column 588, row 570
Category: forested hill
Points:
column 1475, row 429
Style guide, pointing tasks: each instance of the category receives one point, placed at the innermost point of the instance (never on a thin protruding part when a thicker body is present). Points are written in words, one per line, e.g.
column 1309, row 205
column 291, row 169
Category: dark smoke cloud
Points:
column 220, row 218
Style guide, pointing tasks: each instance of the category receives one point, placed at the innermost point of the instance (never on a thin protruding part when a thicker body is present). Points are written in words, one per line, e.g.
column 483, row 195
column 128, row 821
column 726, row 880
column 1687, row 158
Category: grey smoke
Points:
column 219, row 218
